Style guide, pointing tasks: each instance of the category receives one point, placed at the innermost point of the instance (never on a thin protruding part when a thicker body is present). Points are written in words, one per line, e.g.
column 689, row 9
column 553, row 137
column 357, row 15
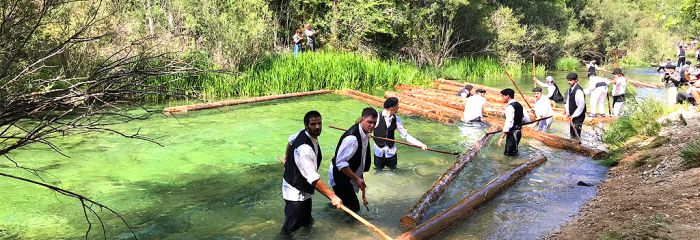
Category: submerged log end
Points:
column 597, row 155
column 408, row 221
column 174, row 110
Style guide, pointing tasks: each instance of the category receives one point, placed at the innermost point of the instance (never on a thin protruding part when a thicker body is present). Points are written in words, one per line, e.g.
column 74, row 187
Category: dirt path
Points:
column 648, row 195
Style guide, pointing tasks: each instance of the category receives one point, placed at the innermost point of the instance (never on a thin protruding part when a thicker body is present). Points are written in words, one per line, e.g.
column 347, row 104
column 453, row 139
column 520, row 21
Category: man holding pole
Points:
column 515, row 117
column 387, row 124
column 543, row 109
column 303, row 157
column 575, row 106
column 352, row 158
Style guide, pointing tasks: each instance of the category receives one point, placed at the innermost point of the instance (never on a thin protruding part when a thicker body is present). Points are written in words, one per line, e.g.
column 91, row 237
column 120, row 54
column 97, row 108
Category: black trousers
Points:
column 380, row 162
column 512, row 141
column 296, row 214
column 681, row 61
column 578, row 122
column 346, row 192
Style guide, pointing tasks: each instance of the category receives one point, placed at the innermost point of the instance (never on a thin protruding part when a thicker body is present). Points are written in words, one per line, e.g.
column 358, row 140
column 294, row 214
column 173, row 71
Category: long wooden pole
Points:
column 471, row 203
column 439, row 186
column 354, row 215
column 402, row 142
column 534, row 75
column 516, row 87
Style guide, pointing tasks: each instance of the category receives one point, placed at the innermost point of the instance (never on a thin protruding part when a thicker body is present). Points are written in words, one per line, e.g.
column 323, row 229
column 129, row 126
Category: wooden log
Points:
column 471, row 203
column 439, row 186
column 405, row 109
column 437, row 109
column 643, row 84
column 201, row 106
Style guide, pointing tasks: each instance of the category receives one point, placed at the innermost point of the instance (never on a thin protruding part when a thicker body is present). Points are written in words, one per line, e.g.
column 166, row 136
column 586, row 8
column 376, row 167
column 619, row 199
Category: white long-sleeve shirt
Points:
column 510, row 115
column 305, row 159
column 543, row 108
column 550, row 88
column 593, row 81
column 474, row 107
column 387, row 151
column 620, row 86
column 580, row 100
column 348, row 148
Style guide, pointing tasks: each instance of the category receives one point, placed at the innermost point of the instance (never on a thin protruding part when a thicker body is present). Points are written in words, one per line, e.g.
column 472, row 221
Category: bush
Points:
column 640, row 122
column 691, row 154
column 567, row 64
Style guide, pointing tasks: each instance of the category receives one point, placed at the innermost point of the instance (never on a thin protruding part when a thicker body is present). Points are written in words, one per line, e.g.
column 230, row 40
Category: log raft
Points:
column 436, row 190
column 202, row 106
column 471, row 203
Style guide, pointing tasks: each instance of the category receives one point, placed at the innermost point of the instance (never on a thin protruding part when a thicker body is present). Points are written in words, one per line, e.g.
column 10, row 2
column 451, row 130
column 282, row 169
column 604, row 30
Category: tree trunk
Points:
column 471, row 203
column 149, row 18
column 201, row 106
column 435, row 191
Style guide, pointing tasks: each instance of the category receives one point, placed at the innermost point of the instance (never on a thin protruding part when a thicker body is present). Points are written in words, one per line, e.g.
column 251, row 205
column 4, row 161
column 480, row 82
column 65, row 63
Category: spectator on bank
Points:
column 310, row 37
column 297, row 38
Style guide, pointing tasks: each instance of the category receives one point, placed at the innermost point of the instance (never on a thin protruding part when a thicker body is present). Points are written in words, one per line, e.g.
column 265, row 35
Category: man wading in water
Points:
column 575, row 106
column 303, row 157
column 387, row 124
column 515, row 117
column 352, row 158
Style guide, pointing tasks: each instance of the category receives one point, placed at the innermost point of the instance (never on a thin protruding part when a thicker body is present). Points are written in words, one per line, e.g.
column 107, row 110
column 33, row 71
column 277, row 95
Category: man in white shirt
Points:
column 543, row 108
column 387, row 124
column 552, row 89
column 474, row 108
column 575, row 106
column 598, row 89
column 310, row 37
column 303, row 157
column 352, row 158
column 515, row 117
column 619, row 83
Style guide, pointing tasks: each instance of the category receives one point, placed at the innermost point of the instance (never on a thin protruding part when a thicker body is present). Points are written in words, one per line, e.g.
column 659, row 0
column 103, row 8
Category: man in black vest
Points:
column 575, row 106
column 387, row 124
column 352, row 158
column 303, row 157
column 681, row 56
column 515, row 117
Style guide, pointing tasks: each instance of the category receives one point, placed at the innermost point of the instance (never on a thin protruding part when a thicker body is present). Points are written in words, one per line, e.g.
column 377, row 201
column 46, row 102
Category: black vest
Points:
column 518, row 117
column 681, row 53
column 572, row 100
column 591, row 69
column 292, row 175
column 556, row 97
column 382, row 131
column 356, row 159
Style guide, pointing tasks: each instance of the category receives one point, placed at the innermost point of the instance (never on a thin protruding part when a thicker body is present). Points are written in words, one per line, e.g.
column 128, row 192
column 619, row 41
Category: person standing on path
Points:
column 575, row 106
column 513, row 125
column 303, row 157
column 352, row 158
column 310, row 37
column 543, row 108
column 619, row 83
column 387, row 125
column 297, row 38
column 671, row 80
column 681, row 55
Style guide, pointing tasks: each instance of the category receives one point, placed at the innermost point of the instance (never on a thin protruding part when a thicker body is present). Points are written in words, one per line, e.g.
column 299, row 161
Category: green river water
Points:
column 217, row 177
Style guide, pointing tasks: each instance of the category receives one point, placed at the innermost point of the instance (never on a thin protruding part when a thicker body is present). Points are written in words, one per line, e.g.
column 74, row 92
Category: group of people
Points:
column 351, row 160
column 681, row 75
column 307, row 34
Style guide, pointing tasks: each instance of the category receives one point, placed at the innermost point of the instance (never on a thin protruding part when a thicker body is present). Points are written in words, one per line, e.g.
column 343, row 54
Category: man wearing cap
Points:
column 301, row 178
column 619, row 84
column 598, row 89
column 466, row 92
column 474, row 108
column 543, row 108
column 552, row 89
column 386, row 126
column 515, row 117
column 671, row 80
column 575, row 106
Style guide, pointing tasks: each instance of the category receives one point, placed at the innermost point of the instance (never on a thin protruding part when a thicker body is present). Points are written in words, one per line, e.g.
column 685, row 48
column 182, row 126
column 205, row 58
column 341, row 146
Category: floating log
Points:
column 405, row 109
column 201, row 106
column 471, row 203
column 406, row 99
column 642, row 84
column 435, row 191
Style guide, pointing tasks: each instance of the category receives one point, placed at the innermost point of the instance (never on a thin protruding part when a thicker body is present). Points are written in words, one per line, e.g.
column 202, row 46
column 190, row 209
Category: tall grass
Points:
column 691, row 154
column 640, row 122
column 477, row 68
column 567, row 64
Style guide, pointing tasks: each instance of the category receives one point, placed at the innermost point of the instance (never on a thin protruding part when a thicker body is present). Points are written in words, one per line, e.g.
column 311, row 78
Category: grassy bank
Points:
column 287, row 73
column 567, row 64
column 640, row 122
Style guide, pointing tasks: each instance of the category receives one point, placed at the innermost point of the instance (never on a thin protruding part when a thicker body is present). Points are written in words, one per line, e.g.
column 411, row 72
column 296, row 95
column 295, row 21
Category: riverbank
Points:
column 649, row 194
